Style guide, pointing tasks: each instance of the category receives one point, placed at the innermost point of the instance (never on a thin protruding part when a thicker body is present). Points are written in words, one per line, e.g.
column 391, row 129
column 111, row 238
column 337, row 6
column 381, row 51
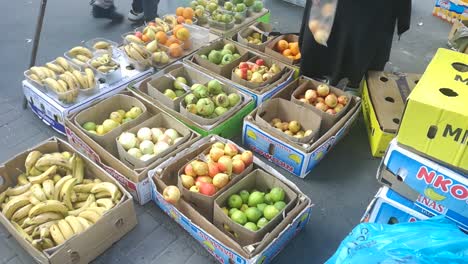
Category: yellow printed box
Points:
column 435, row 121
column 383, row 96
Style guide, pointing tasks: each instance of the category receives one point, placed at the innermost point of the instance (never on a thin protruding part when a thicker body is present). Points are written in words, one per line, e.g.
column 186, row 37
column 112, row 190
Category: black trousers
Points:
column 149, row 7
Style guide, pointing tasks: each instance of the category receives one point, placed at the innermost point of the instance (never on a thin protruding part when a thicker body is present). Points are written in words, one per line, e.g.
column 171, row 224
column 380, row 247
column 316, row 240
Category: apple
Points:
column 220, row 180
column 243, row 65
column 171, row 194
column 260, row 62
column 338, row 108
column 225, row 164
column 231, row 149
column 207, row 189
column 323, row 90
column 216, row 153
column 238, row 166
column 138, row 34
column 311, row 95
column 331, row 111
column 194, row 189
column 199, row 167
column 247, row 157
column 343, row 99
column 321, row 106
column 212, row 169
column 187, row 181
column 219, row 145
column 257, row 77
column 331, row 100
column 238, row 156
column 189, row 170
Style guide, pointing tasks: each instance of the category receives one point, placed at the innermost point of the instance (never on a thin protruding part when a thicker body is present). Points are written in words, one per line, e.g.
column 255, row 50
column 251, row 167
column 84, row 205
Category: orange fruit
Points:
column 282, row 45
column 179, row 11
column 180, row 19
column 161, row 37
column 188, row 21
column 188, row 13
column 145, row 38
column 298, row 56
column 290, row 57
column 175, row 50
column 286, row 52
column 172, row 40
column 294, row 47
column 182, row 34
column 177, row 27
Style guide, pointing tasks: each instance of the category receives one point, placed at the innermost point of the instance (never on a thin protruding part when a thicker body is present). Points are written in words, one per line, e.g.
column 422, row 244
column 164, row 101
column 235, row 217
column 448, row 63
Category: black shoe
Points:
column 109, row 13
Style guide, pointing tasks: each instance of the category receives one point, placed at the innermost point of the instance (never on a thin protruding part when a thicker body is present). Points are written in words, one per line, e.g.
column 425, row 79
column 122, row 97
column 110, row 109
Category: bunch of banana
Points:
column 104, row 63
column 40, row 73
column 52, row 200
column 80, row 55
column 102, row 45
column 161, row 23
column 138, row 53
column 171, row 20
column 65, row 88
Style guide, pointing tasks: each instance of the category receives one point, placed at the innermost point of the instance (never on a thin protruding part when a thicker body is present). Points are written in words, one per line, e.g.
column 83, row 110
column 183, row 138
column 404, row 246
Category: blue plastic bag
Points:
column 436, row 240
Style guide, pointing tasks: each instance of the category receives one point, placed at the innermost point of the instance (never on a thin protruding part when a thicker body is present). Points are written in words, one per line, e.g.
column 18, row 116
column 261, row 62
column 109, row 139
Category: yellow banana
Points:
column 81, row 197
column 59, row 185
column 63, row 63
column 133, row 39
column 39, row 72
column 90, row 78
column 76, row 82
column 81, row 79
column 99, row 210
column 78, row 168
column 31, row 160
column 49, row 72
column 70, row 83
column 56, row 234
column 3, row 195
column 37, row 191
column 97, row 180
column 88, row 202
column 13, row 205
column 22, row 179
column 65, row 228
column 103, row 194
column 102, row 45
column 44, row 176
column 90, row 215
column 80, row 50
column 84, row 188
column 35, row 172
column 82, row 58
column 87, row 181
column 42, row 230
column 48, row 187
column 21, row 221
column 48, row 206
column 53, row 84
column 78, row 205
column 75, row 224
column 66, row 155
column 57, row 178
column 55, row 68
column 33, row 199
column 21, row 232
column 105, row 202
column 21, row 213
column 44, row 163
column 66, row 192
column 106, row 187
column 25, row 194
column 85, row 223
column 43, row 218
column 78, row 62
column 35, row 78
column 46, row 243
column 18, row 190
column 29, row 230
column 73, row 197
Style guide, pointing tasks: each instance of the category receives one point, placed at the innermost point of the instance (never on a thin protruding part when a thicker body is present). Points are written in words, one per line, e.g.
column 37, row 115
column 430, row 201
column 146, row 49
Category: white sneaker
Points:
column 134, row 16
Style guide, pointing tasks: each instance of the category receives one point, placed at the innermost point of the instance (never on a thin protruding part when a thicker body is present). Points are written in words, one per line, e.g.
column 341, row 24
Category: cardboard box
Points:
column 457, row 36
column 86, row 246
column 262, row 94
column 410, row 175
column 328, row 120
column 53, row 113
column 258, row 27
column 298, row 159
column 202, row 203
column 156, row 88
column 253, row 85
column 383, row 101
column 218, row 244
column 134, row 180
column 449, row 10
column 271, row 50
column 435, row 121
column 226, row 128
column 259, row 180
column 288, row 111
column 262, row 16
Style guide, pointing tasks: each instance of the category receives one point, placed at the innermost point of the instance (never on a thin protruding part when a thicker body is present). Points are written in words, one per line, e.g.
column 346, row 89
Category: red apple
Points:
column 331, row 100
column 238, row 166
column 187, row 181
column 238, row 156
column 343, row 100
column 207, row 189
column 247, row 157
column 216, row 153
column 243, row 65
column 231, row 149
column 199, row 167
column 321, row 106
column 171, row 194
column 323, row 90
column 331, row 111
column 206, row 179
column 320, row 100
column 138, row 34
column 212, row 169
column 311, row 95
column 244, row 73
column 220, row 180
column 260, row 62
column 225, row 164
column 189, row 170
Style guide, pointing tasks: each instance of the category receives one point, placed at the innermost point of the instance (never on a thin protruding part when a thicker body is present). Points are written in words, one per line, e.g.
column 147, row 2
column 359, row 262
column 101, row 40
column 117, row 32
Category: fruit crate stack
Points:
column 426, row 165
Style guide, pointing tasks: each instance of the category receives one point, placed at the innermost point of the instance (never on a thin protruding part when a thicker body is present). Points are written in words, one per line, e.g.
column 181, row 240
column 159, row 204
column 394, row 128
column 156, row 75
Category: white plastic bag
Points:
column 322, row 15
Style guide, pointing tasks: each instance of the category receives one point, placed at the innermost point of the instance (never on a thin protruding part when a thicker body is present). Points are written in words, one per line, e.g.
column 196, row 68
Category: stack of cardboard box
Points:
column 426, row 165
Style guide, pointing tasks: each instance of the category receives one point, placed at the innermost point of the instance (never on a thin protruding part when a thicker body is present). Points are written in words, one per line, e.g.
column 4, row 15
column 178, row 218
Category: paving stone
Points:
column 177, row 252
column 15, row 260
column 199, row 259
column 7, row 251
column 152, row 245
column 146, row 224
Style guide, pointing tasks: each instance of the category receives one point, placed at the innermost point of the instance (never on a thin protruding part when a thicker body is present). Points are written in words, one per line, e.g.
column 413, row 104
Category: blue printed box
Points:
column 410, row 175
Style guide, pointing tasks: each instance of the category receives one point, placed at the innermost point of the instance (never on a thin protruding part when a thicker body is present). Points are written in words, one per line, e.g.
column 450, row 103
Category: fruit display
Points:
column 103, row 45
column 115, row 119
column 210, row 101
column 182, row 16
column 53, row 201
column 257, row 5
column 256, row 72
column 290, row 50
column 210, row 175
column 79, row 55
column 138, row 53
column 104, row 63
column 147, row 143
column 178, row 90
column 221, row 20
column 149, row 32
column 292, row 128
column 325, row 100
column 253, row 210
column 239, row 10
column 255, row 38
column 171, row 194
column 223, row 56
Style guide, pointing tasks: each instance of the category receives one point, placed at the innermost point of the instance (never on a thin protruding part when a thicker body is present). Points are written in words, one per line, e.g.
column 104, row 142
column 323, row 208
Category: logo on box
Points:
column 442, row 183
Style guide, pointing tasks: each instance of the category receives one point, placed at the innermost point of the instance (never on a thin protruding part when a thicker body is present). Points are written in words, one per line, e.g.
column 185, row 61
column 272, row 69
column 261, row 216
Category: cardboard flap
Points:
column 395, row 182
column 388, row 93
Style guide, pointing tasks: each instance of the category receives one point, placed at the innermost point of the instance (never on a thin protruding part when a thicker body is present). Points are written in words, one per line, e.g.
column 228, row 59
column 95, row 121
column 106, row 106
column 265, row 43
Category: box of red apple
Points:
column 256, row 72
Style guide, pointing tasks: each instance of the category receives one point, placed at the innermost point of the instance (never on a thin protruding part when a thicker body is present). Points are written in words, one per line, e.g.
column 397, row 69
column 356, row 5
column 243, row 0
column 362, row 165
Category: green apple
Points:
column 170, row 93
column 256, row 198
column 179, row 83
column 212, row 7
column 220, row 110
column 179, row 93
column 235, row 201
column 270, row 212
column 257, row 6
column 190, row 99
column 226, row 51
column 205, row 107
column 251, row 226
column 228, row 6
column 262, row 222
column 193, row 4
column 233, row 99
column 89, row 126
column 214, row 87
column 235, row 56
column 226, row 59
column 203, row 56
column 201, row 91
column 240, row 7
column 249, row 2
column 230, row 47
column 253, row 214
column 215, row 56
column 239, row 217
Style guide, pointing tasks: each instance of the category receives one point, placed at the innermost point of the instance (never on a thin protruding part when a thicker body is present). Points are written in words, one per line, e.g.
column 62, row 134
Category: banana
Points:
column 35, row 172
column 49, row 188
column 37, row 191
column 46, row 243
column 105, row 202
column 44, row 176
column 75, row 224
column 81, row 79
column 59, row 185
column 3, row 195
column 35, row 78
column 21, row 213
column 78, row 205
column 56, row 234
column 65, row 228
column 31, row 160
column 66, row 191
column 78, row 168
column 82, row 58
column 107, row 187
column 22, row 180
column 21, row 221
column 90, row 78
column 99, row 210
column 102, row 45
column 21, row 232
column 79, row 50
column 70, row 83
column 45, row 162
column 13, row 205
column 42, row 230
column 85, row 223
column 163, row 24
column 63, row 63
column 43, row 218
column 25, row 221
column 104, row 69
column 29, row 230
column 48, row 206
column 78, row 62
column 33, row 199
column 140, row 50
column 49, row 72
column 133, row 39
column 18, row 190
column 66, row 155
column 81, row 197
column 97, row 180
column 55, row 68
column 56, row 178
column 25, row 194
column 83, row 188
column 88, row 202
column 73, row 197
column 76, row 82
column 90, row 215
column 39, row 72
column 86, row 181
column 100, row 195
column 53, row 84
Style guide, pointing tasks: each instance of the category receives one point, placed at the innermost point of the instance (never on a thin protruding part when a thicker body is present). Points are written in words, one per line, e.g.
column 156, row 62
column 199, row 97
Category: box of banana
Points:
column 86, row 74
column 60, row 206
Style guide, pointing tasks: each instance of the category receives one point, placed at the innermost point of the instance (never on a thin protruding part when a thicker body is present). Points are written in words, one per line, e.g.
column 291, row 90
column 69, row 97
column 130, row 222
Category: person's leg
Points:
column 136, row 13
column 106, row 9
column 150, row 8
